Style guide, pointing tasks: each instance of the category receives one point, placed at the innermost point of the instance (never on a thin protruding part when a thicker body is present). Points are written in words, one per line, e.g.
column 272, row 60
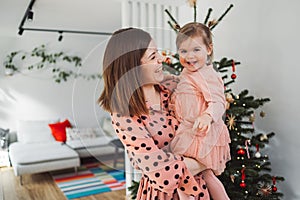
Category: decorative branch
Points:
column 49, row 60
column 174, row 26
column 208, row 15
column 195, row 12
column 222, row 16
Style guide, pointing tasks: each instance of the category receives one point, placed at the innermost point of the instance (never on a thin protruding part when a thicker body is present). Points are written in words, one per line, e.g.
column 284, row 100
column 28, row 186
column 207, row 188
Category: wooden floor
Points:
column 41, row 187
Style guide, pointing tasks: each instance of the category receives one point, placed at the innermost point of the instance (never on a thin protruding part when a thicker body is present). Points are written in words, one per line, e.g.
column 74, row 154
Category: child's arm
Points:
column 212, row 89
column 203, row 122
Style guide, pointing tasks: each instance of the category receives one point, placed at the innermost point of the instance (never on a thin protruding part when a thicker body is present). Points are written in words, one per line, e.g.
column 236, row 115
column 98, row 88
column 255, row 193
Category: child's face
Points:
column 193, row 53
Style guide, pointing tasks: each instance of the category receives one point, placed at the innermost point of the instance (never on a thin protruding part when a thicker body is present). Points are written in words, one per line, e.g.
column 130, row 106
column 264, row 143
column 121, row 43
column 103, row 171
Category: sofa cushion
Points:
column 89, row 142
column 39, row 152
column 30, row 131
column 59, row 130
column 80, row 133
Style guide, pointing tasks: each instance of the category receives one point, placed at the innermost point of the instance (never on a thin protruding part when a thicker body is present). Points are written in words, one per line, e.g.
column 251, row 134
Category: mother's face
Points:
column 151, row 65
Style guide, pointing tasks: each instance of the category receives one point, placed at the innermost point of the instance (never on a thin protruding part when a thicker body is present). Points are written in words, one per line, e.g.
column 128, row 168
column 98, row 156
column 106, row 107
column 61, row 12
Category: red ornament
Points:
column 233, row 75
column 274, row 188
column 241, row 152
column 242, row 184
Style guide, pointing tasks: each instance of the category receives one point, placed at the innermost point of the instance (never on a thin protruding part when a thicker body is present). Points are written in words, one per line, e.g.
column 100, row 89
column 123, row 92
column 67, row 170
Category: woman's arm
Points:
column 166, row 171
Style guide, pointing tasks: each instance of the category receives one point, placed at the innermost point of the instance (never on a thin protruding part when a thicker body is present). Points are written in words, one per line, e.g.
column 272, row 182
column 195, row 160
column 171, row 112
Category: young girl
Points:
column 199, row 103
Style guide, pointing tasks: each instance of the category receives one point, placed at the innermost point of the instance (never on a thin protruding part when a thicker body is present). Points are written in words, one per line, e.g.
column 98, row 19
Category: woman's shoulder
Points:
column 169, row 83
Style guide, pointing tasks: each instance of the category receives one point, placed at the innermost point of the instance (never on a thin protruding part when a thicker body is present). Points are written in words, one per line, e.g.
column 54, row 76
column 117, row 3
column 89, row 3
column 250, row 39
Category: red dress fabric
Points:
column 146, row 140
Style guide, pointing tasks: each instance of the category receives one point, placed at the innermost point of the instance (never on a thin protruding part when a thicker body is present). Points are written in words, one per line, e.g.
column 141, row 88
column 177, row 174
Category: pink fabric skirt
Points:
column 212, row 154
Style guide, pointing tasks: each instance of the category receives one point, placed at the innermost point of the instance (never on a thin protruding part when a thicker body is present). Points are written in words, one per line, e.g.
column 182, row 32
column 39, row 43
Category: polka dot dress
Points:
column 146, row 139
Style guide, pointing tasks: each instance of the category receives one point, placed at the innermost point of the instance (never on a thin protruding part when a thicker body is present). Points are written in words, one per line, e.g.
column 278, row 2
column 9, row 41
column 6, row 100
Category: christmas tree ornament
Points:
column 232, row 177
column 274, row 188
column 262, row 114
column 227, row 105
column 241, row 152
column 233, row 75
column 231, row 121
column 257, row 154
column 229, row 98
column 247, row 142
column 263, row 137
column 252, row 118
column 243, row 184
column 264, row 189
column 168, row 60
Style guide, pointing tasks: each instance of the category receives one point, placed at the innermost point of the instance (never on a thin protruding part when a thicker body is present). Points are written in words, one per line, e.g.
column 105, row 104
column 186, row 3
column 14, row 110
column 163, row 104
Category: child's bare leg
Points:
column 214, row 186
column 183, row 196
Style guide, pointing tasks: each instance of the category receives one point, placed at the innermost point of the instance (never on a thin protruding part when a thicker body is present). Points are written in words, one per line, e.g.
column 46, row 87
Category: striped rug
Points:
column 91, row 179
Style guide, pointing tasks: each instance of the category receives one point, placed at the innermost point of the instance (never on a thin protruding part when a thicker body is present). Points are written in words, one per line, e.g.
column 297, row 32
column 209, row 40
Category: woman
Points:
column 138, row 103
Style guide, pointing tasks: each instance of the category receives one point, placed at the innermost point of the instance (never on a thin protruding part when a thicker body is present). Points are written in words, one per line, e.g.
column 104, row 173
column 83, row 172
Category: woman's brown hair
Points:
column 122, row 91
column 194, row 29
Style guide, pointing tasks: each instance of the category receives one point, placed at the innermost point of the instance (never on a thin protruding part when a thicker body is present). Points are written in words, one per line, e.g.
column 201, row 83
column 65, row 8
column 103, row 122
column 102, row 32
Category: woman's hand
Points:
column 193, row 166
column 202, row 123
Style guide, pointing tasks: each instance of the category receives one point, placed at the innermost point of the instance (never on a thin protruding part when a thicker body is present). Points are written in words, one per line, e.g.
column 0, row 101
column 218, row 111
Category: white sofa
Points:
column 37, row 151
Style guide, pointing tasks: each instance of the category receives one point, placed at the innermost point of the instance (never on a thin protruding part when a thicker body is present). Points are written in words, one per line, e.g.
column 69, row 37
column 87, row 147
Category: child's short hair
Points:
column 193, row 29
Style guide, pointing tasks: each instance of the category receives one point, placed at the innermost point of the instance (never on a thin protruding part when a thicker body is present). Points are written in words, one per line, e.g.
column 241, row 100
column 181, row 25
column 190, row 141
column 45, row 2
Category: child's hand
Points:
column 203, row 122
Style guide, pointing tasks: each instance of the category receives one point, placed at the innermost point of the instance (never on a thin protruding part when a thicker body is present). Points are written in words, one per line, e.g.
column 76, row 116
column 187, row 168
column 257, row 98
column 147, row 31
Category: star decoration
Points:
column 231, row 122
column 264, row 189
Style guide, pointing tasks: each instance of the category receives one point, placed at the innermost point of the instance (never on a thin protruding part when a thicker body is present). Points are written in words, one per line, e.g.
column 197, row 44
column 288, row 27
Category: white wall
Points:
column 264, row 37
column 35, row 95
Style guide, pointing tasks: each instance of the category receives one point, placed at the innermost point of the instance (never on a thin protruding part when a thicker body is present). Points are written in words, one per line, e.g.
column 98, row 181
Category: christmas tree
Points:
column 247, row 174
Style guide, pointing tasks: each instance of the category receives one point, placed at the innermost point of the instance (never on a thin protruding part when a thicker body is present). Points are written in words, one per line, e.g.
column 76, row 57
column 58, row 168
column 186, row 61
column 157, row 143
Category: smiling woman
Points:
column 137, row 96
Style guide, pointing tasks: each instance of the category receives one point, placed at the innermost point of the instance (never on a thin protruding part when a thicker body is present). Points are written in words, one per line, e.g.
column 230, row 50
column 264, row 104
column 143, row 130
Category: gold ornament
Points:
column 227, row 105
column 263, row 137
column 232, row 177
column 229, row 98
column 262, row 114
column 252, row 118
column 264, row 189
column 231, row 122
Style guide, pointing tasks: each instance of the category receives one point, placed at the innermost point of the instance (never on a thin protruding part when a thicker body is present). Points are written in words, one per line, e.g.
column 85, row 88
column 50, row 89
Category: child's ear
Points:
column 210, row 49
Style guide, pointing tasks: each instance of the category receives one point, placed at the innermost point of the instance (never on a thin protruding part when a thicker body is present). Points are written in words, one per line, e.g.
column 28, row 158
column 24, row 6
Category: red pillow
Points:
column 59, row 130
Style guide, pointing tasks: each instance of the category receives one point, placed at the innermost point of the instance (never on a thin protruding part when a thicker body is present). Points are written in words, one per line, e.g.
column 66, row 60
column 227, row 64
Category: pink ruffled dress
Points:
column 198, row 92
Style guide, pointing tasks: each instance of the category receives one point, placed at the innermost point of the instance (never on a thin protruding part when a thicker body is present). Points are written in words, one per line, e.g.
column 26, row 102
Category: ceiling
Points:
column 82, row 15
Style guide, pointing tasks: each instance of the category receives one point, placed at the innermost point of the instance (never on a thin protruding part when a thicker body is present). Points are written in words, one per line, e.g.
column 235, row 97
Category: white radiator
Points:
column 151, row 17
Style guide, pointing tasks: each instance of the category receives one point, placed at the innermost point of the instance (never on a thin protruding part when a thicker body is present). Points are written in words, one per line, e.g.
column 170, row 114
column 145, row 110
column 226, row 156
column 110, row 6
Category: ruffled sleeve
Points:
column 166, row 171
column 212, row 88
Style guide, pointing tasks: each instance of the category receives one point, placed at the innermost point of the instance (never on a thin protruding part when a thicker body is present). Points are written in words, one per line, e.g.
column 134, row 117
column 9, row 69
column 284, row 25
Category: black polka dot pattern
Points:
column 145, row 137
